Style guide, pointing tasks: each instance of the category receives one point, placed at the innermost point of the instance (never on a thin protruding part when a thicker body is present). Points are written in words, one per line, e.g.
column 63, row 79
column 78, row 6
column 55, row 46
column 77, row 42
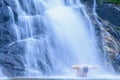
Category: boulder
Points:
column 4, row 15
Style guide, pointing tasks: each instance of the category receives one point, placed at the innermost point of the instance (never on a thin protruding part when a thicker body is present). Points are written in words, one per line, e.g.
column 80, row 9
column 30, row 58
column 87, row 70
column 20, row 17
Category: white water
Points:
column 68, row 38
column 73, row 37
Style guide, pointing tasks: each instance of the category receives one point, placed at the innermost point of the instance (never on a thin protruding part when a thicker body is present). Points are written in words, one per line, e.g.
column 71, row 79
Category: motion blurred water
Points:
column 57, row 36
column 75, row 38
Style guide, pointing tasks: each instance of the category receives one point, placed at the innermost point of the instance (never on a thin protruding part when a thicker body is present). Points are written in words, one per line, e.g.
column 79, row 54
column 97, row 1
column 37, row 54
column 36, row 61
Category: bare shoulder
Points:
column 93, row 67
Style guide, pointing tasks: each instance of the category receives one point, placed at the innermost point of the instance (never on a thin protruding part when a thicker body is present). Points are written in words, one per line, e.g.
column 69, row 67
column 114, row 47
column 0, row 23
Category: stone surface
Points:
column 110, row 13
column 110, row 34
column 12, row 59
column 4, row 15
column 6, row 28
column 10, row 55
column 88, row 2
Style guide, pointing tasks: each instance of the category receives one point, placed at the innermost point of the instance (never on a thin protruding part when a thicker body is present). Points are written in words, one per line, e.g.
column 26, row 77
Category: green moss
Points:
column 114, row 1
column 110, row 1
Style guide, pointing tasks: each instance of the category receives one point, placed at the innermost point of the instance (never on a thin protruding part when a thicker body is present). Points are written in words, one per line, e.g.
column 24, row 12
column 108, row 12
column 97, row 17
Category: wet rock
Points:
column 116, row 62
column 12, row 59
column 13, row 6
column 6, row 28
column 109, row 12
column 4, row 15
column 88, row 2
column 110, row 45
column 1, row 3
column 6, row 36
column 108, row 35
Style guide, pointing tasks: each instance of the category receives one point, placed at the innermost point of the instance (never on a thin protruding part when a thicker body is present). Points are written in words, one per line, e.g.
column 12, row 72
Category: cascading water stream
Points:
column 71, row 44
column 70, row 29
column 56, row 36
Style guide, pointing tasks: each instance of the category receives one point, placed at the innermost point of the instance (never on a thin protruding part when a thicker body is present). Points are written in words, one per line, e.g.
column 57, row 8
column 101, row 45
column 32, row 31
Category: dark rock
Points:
column 88, row 2
column 10, row 3
column 1, row 3
column 110, row 13
column 8, row 64
column 12, row 59
column 116, row 62
column 6, row 35
column 13, row 6
column 110, row 36
column 4, row 15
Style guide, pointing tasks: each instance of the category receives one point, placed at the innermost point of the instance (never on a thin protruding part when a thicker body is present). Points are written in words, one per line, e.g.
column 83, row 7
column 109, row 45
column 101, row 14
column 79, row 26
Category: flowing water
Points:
column 57, row 36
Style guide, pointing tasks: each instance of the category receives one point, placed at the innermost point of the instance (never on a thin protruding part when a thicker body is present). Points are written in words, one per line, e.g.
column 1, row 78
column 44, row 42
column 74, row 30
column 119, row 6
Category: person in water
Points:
column 82, row 71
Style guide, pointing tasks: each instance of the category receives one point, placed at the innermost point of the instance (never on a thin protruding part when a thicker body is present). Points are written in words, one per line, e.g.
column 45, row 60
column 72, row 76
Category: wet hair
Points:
column 85, row 69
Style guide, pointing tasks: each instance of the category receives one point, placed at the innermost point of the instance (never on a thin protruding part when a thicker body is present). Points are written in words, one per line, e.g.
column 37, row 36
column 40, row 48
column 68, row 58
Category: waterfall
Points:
column 56, row 36
column 73, row 30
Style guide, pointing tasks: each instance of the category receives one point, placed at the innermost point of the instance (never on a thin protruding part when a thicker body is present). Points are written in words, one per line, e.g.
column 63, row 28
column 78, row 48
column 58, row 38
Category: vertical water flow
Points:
column 100, row 24
column 13, row 23
column 74, row 42
column 29, row 27
column 56, row 36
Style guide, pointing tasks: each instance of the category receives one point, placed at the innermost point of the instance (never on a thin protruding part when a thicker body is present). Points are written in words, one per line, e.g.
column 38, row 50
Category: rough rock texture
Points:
column 88, row 2
column 12, row 59
column 107, row 34
column 111, row 43
column 12, row 51
column 109, row 12
column 6, row 34
column 9, row 58
column 109, row 16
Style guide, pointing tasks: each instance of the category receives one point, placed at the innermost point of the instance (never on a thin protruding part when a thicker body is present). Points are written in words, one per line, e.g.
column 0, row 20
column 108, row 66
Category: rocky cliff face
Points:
column 109, row 15
column 108, row 33
column 10, row 55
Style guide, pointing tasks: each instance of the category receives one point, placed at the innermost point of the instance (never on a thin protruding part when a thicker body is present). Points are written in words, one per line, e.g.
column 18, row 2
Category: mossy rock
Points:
column 114, row 1
column 110, row 1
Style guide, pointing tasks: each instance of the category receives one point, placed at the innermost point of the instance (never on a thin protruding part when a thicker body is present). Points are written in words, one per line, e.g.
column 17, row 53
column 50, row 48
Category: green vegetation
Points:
column 110, row 1
column 114, row 1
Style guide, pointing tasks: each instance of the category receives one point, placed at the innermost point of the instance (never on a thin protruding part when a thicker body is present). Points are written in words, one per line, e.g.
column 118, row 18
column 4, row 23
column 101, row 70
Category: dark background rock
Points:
column 109, row 16
column 4, row 15
column 88, row 2
column 109, row 12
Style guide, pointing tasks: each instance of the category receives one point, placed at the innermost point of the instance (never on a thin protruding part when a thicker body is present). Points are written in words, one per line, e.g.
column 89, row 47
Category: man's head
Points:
column 85, row 69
